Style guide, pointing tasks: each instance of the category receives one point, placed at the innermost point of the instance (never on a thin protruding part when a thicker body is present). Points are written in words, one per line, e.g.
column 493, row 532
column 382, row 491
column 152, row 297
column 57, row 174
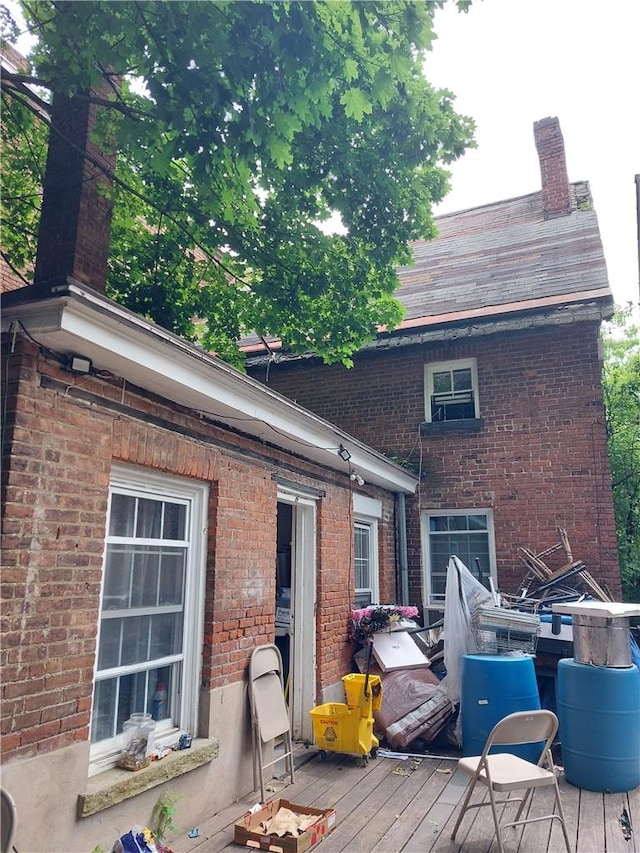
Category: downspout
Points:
column 401, row 532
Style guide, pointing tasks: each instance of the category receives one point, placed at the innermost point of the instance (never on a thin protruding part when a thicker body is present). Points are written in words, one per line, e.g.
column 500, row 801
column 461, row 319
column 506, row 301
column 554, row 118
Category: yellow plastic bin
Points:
column 338, row 728
column 363, row 693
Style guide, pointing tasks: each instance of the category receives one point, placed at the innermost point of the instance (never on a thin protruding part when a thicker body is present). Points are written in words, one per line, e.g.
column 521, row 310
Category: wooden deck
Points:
column 410, row 805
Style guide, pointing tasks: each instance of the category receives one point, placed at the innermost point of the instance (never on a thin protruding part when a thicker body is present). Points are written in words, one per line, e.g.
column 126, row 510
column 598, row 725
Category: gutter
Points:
column 72, row 319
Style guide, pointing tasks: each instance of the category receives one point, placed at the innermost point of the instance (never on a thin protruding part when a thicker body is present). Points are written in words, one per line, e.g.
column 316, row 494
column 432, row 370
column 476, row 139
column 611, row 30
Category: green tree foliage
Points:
column 257, row 123
column 621, row 384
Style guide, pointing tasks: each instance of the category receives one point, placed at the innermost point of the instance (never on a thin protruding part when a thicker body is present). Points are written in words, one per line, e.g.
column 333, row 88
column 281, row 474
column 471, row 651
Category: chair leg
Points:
column 563, row 823
column 525, row 799
column 495, row 819
column 463, row 809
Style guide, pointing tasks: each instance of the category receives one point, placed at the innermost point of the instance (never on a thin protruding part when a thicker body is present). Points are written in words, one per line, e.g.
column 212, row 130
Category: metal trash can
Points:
column 601, row 640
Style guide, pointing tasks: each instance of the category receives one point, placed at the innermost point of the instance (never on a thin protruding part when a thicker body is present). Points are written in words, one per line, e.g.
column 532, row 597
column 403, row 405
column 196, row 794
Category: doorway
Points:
column 295, row 606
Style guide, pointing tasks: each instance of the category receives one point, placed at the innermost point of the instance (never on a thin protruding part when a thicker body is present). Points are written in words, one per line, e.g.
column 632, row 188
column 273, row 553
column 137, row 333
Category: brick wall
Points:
column 60, row 444
column 540, row 460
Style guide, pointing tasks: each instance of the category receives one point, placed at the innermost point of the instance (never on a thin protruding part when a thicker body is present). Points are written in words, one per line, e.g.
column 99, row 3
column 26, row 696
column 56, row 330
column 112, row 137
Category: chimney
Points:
column 556, row 198
column 75, row 222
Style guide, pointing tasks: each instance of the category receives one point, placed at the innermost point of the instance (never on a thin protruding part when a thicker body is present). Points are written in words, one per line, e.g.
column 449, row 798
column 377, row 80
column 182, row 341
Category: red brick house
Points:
column 155, row 504
column 490, row 388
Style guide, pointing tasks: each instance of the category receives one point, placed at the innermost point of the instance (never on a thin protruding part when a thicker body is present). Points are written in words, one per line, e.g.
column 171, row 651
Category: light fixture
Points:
column 357, row 478
column 79, row 364
column 343, row 453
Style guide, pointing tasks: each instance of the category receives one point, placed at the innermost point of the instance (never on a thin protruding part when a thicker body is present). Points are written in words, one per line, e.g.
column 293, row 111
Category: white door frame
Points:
column 302, row 655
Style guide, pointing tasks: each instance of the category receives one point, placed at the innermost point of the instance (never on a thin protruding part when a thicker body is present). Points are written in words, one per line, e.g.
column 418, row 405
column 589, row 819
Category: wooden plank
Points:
column 399, row 836
column 565, row 570
column 216, row 833
column 535, row 836
column 614, row 805
column 594, row 586
column 540, row 569
column 445, row 811
column 570, row 799
column 591, row 837
column 361, row 804
column 380, row 811
column 565, row 543
column 633, row 809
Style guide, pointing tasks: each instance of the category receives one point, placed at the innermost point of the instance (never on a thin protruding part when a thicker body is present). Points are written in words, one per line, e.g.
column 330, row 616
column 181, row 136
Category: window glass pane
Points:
column 462, row 379
column 166, row 635
column 149, row 524
column 442, row 382
column 146, row 575
column 103, row 715
column 363, row 599
column 175, row 517
column 438, row 586
column 172, row 568
column 133, row 696
column 440, row 553
column 110, row 643
column 117, row 578
column 467, row 537
column 121, row 519
column 362, row 537
column 135, row 647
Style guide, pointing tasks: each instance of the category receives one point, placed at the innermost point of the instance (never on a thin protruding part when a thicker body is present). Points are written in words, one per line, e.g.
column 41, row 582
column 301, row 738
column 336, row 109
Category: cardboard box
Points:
column 247, row 830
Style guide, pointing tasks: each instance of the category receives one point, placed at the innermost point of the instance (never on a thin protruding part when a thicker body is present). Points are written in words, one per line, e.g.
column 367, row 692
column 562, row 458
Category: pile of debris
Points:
column 542, row 586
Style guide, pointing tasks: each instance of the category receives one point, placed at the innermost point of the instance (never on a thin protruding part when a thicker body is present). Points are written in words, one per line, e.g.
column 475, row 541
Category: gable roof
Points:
column 499, row 266
column 505, row 255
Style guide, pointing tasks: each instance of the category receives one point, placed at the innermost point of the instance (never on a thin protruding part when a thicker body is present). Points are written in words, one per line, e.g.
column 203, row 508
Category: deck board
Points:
column 591, row 822
column 394, row 806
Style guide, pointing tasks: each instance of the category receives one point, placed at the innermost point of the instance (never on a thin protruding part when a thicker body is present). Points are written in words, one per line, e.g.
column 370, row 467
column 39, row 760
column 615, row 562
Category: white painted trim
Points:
column 143, row 480
column 363, row 505
column 426, row 551
column 453, row 364
column 81, row 321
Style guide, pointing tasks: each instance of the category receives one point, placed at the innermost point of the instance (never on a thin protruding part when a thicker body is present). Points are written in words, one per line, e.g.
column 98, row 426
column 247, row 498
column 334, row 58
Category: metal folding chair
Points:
column 269, row 712
column 503, row 772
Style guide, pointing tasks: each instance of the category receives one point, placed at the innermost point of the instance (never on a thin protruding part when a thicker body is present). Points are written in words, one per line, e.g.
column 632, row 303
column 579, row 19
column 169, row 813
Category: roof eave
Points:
column 80, row 321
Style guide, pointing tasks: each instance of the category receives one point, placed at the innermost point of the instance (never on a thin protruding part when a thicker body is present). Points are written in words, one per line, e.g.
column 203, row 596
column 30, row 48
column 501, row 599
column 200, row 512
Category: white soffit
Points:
column 116, row 340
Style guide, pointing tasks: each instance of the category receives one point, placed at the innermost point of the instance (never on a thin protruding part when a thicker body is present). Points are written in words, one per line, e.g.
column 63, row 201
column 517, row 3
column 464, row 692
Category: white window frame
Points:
column 367, row 512
column 426, row 548
column 442, row 366
column 145, row 483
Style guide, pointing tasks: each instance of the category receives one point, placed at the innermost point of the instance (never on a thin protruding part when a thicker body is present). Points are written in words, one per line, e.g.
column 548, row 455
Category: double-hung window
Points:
column 151, row 617
column 365, row 543
column 466, row 533
column 451, row 391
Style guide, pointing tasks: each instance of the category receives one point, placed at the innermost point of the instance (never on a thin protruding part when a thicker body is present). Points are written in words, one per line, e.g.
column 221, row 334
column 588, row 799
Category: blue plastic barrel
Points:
column 599, row 714
column 492, row 687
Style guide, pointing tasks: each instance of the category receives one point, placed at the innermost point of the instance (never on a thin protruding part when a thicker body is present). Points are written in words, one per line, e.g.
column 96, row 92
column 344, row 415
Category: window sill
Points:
column 470, row 425
column 113, row 786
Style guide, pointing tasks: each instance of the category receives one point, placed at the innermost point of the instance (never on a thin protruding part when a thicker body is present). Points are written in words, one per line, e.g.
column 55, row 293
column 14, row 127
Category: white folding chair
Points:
column 269, row 713
column 503, row 772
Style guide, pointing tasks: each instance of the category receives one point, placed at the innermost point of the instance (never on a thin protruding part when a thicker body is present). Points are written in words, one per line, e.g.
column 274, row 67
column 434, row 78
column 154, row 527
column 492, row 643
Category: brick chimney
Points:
column 75, row 222
column 556, row 198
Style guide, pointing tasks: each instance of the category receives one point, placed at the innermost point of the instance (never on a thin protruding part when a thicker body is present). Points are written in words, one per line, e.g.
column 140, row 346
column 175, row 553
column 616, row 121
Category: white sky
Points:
column 512, row 62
